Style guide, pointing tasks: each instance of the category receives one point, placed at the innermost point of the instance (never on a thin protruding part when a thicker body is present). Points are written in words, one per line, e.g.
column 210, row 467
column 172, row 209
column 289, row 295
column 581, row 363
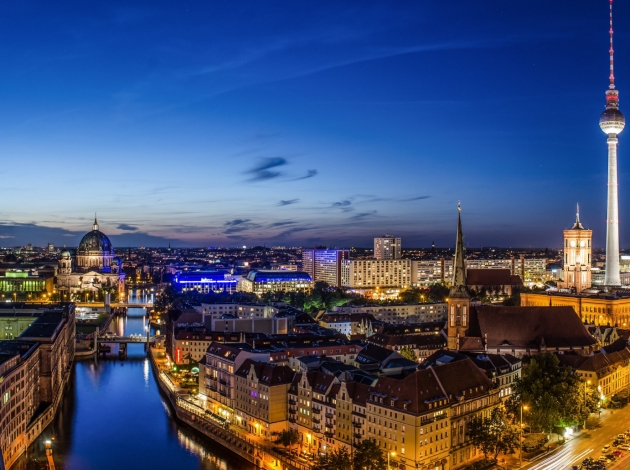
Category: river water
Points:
column 114, row 417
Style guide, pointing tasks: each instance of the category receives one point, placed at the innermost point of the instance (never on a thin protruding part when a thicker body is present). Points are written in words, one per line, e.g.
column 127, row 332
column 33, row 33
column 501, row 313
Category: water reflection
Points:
column 113, row 416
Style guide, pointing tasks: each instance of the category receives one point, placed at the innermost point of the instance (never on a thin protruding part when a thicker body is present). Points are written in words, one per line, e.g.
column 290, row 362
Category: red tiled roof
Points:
column 526, row 327
column 492, row 277
column 430, row 386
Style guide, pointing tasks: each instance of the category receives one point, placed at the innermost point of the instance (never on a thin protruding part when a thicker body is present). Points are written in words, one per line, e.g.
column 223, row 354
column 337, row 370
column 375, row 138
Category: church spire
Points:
column 578, row 224
column 95, row 226
column 459, row 265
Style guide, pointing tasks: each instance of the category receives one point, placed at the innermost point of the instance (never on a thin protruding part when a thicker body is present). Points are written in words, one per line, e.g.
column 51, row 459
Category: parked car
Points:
column 617, row 453
column 606, row 448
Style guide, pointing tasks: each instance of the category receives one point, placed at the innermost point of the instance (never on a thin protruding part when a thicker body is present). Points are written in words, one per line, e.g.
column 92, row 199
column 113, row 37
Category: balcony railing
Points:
column 292, row 401
column 316, row 420
column 357, row 424
column 292, row 420
column 357, row 435
column 330, row 415
column 317, row 411
column 329, row 434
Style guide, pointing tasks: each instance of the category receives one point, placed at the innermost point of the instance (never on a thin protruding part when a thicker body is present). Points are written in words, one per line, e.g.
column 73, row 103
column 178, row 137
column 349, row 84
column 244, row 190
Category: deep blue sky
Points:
column 251, row 122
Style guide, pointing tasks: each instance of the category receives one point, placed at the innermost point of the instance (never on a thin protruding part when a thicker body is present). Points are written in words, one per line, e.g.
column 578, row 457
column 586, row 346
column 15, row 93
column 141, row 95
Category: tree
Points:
column 437, row 293
column 554, row 394
column 368, row 456
column 494, row 434
column 408, row 353
column 336, row 459
column 288, row 438
column 410, row 296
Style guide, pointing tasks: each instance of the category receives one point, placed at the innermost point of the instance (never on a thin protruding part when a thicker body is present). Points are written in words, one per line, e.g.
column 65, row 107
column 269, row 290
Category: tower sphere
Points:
column 612, row 121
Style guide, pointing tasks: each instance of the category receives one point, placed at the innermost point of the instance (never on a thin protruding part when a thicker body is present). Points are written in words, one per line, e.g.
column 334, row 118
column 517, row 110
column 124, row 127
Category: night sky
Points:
column 302, row 123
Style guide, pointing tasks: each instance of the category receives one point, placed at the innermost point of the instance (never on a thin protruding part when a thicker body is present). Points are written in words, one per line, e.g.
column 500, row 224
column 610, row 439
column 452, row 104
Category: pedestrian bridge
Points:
column 140, row 339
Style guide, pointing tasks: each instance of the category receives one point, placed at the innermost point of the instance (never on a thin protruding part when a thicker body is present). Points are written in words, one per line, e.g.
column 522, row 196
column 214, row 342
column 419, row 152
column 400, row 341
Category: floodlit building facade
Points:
column 261, row 281
column 324, row 265
column 387, row 247
column 373, row 273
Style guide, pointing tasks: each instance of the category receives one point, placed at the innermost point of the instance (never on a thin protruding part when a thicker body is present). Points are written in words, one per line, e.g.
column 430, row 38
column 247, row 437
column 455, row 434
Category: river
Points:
column 113, row 417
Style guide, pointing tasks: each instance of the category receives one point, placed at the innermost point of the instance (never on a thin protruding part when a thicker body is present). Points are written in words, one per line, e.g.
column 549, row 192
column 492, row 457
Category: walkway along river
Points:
column 114, row 417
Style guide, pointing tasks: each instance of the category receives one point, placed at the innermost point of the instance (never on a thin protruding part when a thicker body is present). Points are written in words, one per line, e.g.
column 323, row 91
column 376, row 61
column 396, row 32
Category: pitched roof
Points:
column 435, row 385
column 413, row 341
column 525, row 327
column 492, row 277
column 599, row 363
column 268, row 374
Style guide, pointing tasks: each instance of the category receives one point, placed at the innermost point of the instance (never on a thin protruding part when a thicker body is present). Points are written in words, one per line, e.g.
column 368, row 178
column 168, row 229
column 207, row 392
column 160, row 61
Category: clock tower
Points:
column 577, row 256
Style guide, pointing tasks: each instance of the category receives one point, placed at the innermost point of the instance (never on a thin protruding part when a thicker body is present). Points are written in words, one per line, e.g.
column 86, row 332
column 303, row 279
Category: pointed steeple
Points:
column 577, row 225
column 459, row 265
column 95, row 226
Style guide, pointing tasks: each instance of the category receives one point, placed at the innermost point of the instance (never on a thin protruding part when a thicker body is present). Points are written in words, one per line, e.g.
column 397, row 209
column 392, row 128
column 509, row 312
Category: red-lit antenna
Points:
column 612, row 68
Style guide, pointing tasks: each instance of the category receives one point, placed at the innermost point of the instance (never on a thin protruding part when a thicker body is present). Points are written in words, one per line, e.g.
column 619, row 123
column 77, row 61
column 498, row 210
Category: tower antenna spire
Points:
column 612, row 51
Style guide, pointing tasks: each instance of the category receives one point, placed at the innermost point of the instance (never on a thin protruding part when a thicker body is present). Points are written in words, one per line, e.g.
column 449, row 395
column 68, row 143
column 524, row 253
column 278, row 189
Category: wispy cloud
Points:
column 417, row 198
column 127, row 227
column 263, row 171
column 239, row 225
column 287, row 202
column 309, row 174
column 345, row 205
column 283, row 223
column 291, row 231
column 363, row 215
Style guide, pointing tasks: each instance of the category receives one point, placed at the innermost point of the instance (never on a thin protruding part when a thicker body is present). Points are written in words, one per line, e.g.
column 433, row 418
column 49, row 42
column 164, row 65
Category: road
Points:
column 588, row 444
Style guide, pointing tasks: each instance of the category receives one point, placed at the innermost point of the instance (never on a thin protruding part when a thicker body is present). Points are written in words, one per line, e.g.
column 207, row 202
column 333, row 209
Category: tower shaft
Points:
column 612, row 277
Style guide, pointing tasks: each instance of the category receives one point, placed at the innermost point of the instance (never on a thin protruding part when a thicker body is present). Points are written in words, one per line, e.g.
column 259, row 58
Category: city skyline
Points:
column 224, row 125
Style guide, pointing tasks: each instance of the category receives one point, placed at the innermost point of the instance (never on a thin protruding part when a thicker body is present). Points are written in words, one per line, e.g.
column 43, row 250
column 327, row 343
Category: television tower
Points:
column 612, row 123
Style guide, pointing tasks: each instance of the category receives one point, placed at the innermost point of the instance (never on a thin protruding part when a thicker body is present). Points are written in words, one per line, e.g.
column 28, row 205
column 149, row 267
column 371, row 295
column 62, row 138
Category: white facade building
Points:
column 372, row 273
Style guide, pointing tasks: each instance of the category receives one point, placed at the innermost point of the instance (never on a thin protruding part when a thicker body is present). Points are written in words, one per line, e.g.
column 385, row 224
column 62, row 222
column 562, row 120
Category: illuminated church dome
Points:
column 95, row 250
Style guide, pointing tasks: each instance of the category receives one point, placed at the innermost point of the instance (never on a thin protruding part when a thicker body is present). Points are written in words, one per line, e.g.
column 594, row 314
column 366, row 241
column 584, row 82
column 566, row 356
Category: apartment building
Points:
column 400, row 313
column 261, row 398
column 387, row 247
column 216, row 373
column 422, row 418
column 34, row 370
column 312, row 410
column 610, row 372
column 348, row 324
column 324, row 265
column 429, row 271
column 368, row 274
column 422, row 346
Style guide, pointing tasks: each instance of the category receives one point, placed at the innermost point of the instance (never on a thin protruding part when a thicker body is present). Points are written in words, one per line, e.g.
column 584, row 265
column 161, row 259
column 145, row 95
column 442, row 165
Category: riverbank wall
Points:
column 195, row 417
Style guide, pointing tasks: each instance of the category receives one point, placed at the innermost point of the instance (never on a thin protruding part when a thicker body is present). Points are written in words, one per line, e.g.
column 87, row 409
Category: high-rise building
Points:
column 324, row 265
column 387, row 247
column 612, row 123
column 577, row 256
column 372, row 273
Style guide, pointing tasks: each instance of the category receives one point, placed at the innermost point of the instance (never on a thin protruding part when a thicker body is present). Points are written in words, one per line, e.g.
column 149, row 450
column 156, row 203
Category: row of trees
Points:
column 548, row 396
column 365, row 456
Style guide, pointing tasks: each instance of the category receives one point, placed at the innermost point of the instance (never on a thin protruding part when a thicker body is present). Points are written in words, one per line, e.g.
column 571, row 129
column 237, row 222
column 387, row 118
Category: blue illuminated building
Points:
column 261, row 281
column 206, row 281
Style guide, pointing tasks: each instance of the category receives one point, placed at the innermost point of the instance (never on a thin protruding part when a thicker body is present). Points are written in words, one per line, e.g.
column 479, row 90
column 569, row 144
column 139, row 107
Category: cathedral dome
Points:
column 95, row 241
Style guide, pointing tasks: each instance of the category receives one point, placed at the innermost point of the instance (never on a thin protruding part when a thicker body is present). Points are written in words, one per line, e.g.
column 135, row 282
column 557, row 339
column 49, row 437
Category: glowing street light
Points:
column 393, row 454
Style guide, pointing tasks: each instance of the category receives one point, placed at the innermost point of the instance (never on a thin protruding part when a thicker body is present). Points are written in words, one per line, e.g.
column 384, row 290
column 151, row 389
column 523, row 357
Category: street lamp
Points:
column 523, row 407
column 588, row 382
column 393, row 454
